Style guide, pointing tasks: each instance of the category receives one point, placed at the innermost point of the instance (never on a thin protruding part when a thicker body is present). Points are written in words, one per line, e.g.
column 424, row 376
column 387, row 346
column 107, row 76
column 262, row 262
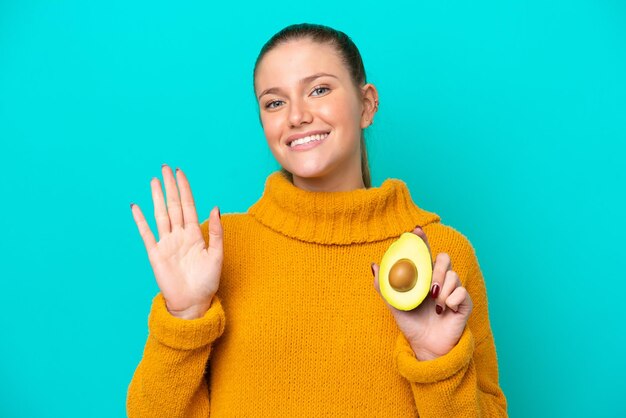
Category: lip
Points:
column 292, row 138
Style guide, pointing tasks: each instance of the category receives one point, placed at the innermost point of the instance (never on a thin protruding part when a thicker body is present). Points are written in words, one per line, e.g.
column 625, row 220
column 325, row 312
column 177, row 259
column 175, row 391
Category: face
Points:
column 312, row 113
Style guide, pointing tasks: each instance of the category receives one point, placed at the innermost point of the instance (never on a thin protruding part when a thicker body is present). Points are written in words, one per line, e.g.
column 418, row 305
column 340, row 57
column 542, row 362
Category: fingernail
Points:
column 163, row 165
column 438, row 309
column 177, row 169
column 131, row 206
column 219, row 215
column 435, row 291
column 372, row 267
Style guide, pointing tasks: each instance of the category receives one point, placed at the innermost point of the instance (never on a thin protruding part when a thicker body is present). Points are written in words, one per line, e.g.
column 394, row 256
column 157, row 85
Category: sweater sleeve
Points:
column 169, row 380
column 463, row 382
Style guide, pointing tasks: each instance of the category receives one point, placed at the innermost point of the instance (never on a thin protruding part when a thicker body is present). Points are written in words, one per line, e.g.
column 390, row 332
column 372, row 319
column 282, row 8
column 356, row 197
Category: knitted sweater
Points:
column 297, row 328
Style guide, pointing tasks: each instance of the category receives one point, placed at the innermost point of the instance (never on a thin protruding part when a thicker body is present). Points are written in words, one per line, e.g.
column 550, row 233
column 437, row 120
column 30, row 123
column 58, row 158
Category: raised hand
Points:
column 436, row 325
column 186, row 271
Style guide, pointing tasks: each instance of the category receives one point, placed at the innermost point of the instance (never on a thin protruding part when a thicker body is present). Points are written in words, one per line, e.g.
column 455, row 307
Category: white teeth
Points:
column 308, row 139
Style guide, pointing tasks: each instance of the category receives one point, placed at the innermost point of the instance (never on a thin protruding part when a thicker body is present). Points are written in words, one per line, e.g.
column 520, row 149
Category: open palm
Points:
column 186, row 271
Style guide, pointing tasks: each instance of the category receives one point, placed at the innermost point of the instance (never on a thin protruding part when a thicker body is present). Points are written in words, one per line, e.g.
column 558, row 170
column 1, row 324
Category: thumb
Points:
column 216, row 232
column 375, row 269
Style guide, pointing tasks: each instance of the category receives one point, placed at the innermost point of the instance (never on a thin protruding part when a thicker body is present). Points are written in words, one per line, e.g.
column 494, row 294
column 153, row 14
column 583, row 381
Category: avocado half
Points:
column 406, row 272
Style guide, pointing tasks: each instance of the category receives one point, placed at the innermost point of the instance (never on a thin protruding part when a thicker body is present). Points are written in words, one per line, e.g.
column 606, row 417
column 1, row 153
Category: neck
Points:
column 327, row 185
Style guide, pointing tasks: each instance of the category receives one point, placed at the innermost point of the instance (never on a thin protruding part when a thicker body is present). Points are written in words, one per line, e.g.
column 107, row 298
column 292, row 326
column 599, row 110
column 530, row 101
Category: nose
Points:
column 299, row 113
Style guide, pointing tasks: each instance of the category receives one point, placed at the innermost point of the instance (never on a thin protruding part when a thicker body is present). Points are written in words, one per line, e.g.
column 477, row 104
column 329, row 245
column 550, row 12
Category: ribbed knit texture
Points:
column 297, row 328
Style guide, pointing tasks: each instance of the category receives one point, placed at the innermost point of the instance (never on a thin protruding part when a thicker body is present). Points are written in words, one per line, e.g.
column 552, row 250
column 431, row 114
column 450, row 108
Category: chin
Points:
column 309, row 171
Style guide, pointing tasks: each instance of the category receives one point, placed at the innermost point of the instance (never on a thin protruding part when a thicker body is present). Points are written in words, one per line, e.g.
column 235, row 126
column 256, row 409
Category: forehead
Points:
column 288, row 63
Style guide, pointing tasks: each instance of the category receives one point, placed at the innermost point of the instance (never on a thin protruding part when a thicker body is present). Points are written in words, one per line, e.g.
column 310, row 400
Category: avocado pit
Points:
column 403, row 275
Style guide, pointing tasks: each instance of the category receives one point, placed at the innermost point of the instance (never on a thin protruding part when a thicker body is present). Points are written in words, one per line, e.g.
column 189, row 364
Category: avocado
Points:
column 406, row 272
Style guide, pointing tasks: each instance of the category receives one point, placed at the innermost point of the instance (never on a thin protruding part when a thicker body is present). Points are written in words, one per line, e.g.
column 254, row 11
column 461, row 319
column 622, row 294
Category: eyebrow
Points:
column 305, row 80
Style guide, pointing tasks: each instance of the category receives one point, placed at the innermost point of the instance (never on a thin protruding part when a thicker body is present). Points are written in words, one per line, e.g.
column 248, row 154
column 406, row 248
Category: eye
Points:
column 320, row 90
column 270, row 105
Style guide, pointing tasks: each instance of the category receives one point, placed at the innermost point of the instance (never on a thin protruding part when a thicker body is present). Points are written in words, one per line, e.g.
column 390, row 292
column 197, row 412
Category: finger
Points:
column 160, row 210
column 450, row 283
column 442, row 265
column 190, row 217
column 173, row 199
column 460, row 301
column 144, row 229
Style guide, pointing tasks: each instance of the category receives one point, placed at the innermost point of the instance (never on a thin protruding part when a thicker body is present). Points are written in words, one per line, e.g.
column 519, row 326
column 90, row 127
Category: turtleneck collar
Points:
column 357, row 216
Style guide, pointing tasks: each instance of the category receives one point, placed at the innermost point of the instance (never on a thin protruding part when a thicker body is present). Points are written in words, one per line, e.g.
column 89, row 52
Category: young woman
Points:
column 276, row 312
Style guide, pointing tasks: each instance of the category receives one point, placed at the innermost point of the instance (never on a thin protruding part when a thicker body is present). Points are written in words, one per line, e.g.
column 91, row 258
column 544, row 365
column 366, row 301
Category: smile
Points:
column 308, row 139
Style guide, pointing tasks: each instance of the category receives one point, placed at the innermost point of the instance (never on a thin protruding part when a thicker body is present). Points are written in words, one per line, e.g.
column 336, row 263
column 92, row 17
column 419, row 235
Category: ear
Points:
column 369, row 95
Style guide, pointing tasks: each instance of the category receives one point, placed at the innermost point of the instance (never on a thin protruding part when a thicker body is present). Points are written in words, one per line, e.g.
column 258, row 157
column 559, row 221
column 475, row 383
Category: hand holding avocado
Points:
column 187, row 272
column 432, row 325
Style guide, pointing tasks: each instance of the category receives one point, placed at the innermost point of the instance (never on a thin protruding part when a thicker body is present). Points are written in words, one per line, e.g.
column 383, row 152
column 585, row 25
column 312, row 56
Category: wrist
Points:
column 193, row 312
column 423, row 355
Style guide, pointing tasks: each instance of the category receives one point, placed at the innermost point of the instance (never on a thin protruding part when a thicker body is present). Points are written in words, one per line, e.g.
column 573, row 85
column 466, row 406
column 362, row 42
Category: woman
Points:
column 272, row 312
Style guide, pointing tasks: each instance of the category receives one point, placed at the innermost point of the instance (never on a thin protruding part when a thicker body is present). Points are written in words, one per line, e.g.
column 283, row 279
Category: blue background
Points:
column 504, row 117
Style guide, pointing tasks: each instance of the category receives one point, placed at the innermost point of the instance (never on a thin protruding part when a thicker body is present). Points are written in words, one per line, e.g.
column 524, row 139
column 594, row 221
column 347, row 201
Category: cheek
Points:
column 271, row 128
column 342, row 111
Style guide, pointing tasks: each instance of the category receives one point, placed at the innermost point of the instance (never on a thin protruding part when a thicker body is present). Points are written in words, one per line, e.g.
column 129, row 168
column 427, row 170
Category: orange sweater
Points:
column 297, row 328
